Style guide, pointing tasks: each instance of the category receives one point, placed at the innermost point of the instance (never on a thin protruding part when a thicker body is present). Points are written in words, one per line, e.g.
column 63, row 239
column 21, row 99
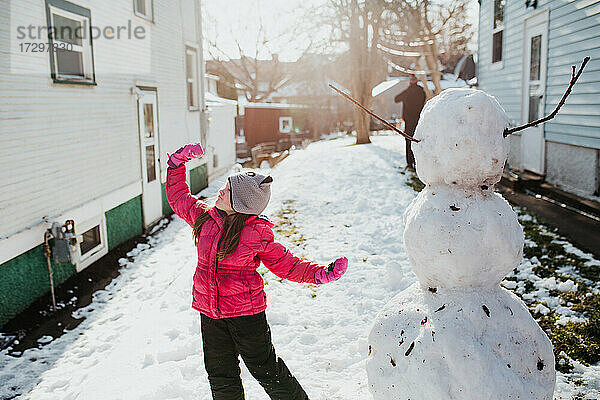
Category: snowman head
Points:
column 461, row 139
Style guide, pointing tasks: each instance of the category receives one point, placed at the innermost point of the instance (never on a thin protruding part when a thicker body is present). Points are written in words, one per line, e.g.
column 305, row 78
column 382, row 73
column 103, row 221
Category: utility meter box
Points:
column 65, row 247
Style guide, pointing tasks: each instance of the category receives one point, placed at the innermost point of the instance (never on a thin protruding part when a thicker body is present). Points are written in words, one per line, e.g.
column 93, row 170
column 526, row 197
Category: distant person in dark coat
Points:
column 413, row 100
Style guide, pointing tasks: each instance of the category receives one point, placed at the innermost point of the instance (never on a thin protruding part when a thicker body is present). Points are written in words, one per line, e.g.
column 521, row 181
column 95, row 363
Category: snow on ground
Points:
column 141, row 339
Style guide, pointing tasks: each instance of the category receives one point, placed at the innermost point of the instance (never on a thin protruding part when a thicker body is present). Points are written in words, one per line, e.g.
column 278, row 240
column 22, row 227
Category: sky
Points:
column 230, row 19
column 240, row 20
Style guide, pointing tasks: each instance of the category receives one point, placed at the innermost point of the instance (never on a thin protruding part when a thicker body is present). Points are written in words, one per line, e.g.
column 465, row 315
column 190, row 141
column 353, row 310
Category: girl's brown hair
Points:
column 232, row 229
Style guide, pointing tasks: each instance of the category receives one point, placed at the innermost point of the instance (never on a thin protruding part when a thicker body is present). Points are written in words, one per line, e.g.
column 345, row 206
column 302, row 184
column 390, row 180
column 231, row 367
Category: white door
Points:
column 534, row 89
column 148, row 127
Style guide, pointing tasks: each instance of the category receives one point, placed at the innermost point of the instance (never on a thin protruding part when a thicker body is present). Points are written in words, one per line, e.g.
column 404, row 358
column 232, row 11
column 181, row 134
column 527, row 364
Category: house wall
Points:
column 573, row 168
column 73, row 151
column 262, row 124
column 221, row 137
column 574, row 134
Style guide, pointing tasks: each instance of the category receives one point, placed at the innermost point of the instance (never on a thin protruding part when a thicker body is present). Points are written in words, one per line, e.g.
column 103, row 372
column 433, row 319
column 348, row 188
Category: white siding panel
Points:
column 578, row 54
column 565, row 22
column 574, row 34
column 586, row 131
column 574, row 26
column 576, row 120
column 584, row 88
column 562, row 8
column 221, row 138
column 576, row 98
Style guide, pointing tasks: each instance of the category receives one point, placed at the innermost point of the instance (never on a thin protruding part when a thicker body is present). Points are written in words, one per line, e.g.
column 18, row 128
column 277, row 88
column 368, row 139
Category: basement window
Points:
column 93, row 245
column 90, row 240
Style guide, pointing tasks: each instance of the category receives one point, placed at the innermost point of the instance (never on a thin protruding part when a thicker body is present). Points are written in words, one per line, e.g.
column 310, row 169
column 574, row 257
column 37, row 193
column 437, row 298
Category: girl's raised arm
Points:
column 179, row 197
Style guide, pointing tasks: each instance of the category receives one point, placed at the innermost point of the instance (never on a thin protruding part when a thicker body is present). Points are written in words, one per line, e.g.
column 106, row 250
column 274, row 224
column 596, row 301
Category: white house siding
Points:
column 62, row 145
column 221, row 135
column 573, row 33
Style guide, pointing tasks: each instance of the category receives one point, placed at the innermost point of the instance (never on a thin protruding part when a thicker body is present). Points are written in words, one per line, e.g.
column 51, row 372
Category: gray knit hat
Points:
column 250, row 192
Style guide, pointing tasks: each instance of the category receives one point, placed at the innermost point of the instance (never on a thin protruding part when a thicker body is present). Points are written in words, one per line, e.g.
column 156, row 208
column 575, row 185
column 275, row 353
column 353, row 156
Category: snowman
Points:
column 456, row 334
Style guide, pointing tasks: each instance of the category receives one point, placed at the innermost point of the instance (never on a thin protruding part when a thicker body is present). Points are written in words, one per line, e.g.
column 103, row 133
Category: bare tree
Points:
column 256, row 78
column 357, row 23
column 417, row 32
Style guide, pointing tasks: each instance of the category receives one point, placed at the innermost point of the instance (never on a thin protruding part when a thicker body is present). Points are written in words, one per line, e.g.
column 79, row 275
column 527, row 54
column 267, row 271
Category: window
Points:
column 71, row 60
column 497, row 47
column 191, row 67
column 91, row 237
column 536, row 58
column 90, row 240
column 150, row 164
column 285, row 124
column 498, row 31
column 148, row 120
column 499, row 13
column 144, row 9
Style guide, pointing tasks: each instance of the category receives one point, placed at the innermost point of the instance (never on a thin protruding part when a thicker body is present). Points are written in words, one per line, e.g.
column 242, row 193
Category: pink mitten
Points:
column 184, row 154
column 332, row 273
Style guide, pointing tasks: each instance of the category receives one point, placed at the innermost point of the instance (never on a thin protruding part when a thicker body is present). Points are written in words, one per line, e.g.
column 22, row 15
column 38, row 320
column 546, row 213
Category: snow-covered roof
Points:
column 386, row 85
column 447, row 81
column 273, row 105
column 213, row 98
column 212, row 76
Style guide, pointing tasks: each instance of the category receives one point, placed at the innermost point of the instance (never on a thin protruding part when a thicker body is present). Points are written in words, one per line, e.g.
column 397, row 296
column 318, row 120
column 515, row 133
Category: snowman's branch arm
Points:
column 574, row 78
column 371, row 113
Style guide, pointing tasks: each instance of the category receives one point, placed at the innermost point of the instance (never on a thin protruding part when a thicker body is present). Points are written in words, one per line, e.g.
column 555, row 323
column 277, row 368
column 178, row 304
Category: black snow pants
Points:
column 225, row 339
column 409, row 129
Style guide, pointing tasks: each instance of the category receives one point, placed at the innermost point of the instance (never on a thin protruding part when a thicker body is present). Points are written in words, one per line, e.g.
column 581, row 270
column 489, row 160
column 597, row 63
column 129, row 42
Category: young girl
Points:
column 232, row 241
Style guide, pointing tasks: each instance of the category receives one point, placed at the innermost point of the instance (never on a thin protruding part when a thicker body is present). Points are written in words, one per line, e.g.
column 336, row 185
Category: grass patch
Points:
column 552, row 253
column 572, row 340
column 412, row 180
column 285, row 225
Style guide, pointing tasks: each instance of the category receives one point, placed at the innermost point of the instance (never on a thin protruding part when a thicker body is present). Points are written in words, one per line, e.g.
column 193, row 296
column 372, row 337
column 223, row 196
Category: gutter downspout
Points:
column 47, row 254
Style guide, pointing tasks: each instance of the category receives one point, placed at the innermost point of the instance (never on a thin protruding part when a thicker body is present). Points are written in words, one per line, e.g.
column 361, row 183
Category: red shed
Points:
column 278, row 123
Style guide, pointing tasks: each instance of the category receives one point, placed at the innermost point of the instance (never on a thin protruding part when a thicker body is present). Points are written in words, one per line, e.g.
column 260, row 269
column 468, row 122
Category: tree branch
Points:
column 371, row 113
column 574, row 78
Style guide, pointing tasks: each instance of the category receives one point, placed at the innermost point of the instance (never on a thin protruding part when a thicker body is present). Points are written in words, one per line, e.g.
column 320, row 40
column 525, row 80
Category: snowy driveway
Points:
column 141, row 339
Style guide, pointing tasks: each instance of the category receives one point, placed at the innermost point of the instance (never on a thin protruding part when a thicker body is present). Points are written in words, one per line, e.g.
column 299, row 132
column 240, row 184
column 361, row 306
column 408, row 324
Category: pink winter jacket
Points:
column 232, row 287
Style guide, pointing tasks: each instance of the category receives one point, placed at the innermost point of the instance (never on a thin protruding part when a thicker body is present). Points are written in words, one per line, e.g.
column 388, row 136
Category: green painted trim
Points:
column 124, row 222
column 166, row 207
column 198, row 178
column 25, row 278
